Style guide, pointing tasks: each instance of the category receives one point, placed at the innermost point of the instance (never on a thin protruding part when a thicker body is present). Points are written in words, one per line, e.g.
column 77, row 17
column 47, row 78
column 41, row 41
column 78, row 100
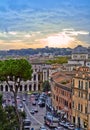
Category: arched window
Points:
column 34, row 77
column 20, row 87
column 1, row 87
column 25, row 88
column 6, row 88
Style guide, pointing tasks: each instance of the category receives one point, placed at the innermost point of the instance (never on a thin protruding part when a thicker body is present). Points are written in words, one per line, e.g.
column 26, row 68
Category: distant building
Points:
column 79, row 57
column 81, row 98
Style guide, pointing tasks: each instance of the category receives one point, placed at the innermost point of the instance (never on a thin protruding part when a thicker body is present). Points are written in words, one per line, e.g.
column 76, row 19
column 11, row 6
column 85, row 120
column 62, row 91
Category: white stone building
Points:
column 40, row 74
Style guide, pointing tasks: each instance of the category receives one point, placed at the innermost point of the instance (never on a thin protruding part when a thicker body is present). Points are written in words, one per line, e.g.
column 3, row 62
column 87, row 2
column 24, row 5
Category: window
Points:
column 81, row 107
column 79, row 84
column 25, row 88
column 89, row 84
column 56, row 98
column 78, row 106
column 6, row 88
column 20, row 87
column 34, row 77
column 1, row 87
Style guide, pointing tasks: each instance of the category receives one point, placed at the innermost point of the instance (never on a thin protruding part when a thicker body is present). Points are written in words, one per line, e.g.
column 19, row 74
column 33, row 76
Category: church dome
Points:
column 80, row 50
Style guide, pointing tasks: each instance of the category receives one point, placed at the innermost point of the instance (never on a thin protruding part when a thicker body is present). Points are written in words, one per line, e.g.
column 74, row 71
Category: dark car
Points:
column 43, row 128
column 32, row 111
column 41, row 104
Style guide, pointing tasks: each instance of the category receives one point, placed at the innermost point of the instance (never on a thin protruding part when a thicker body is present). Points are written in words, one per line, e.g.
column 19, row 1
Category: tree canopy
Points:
column 59, row 60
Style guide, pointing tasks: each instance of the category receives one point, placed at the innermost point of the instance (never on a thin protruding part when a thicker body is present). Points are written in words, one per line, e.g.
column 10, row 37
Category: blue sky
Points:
column 40, row 23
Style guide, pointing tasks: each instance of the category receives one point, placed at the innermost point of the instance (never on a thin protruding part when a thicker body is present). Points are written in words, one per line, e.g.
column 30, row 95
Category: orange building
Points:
column 61, row 93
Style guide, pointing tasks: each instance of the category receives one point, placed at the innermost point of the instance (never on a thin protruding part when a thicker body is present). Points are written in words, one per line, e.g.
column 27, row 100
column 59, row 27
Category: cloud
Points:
column 72, row 32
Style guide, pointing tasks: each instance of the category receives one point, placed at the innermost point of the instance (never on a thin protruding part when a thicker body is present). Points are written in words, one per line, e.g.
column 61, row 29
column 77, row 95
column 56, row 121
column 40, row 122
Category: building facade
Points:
column 61, row 94
column 81, row 98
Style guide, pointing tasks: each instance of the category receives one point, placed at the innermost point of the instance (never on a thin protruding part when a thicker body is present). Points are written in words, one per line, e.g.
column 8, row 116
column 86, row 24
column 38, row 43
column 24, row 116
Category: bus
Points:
column 51, row 121
column 27, row 124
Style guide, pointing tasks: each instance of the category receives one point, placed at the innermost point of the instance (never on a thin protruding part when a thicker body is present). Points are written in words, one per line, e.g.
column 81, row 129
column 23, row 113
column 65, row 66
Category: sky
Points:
column 40, row 23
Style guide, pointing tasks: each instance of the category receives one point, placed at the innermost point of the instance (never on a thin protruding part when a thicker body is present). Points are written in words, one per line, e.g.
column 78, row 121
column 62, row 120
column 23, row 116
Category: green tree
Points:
column 46, row 86
column 8, row 118
column 15, row 70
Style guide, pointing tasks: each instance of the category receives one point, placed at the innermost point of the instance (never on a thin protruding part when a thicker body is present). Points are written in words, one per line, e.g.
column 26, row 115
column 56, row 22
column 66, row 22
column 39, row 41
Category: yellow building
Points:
column 81, row 98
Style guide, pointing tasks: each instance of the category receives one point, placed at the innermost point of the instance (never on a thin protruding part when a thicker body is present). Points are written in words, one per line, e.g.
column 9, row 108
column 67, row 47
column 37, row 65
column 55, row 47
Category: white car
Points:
column 71, row 127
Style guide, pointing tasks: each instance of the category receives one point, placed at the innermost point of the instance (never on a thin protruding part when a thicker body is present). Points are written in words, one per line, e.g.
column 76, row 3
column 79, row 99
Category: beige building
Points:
column 81, row 98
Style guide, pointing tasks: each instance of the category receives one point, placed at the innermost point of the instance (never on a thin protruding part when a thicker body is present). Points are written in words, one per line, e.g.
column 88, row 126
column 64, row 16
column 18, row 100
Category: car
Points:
column 43, row 128
column 41, row 104
column 32, row 111
column 66, row 124
column 36, row 110
column 34, row 103
column 71, row 127
column 24, row 99
column 59, row 128
column 62, row 123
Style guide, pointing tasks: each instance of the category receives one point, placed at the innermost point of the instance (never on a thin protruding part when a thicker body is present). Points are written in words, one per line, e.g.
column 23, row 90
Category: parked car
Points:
column 71, row 127
column 59, row 128
column 41, row 104
column 62, row 123
column 43, row 128
column 66, row 124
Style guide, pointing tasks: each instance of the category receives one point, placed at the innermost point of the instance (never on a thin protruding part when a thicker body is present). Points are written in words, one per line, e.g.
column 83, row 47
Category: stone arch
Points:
column 6, row 88
column 20, row 87
column 1, row 87
column 25, row 88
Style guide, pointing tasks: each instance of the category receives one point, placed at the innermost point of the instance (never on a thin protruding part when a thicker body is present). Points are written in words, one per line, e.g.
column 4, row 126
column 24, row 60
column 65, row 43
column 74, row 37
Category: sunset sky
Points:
column 40, row 23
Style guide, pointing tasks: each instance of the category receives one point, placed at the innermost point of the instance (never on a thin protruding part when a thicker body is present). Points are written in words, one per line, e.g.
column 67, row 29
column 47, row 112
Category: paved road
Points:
column 38, row 118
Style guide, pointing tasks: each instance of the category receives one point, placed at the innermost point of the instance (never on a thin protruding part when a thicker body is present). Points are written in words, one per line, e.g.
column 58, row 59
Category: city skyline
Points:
column 40, row 23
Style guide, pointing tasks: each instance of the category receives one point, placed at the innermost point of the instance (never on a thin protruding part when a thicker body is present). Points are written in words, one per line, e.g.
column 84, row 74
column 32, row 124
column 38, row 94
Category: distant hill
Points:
column 40, row 51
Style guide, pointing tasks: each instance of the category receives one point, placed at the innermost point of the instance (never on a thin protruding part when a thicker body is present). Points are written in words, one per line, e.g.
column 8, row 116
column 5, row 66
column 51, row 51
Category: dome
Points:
column 80, row 50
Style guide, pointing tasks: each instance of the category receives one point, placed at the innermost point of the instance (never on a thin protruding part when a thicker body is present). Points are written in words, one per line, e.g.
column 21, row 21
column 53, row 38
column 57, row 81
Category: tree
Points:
column 15, row 70
column 46, row 86
column 8, row 119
